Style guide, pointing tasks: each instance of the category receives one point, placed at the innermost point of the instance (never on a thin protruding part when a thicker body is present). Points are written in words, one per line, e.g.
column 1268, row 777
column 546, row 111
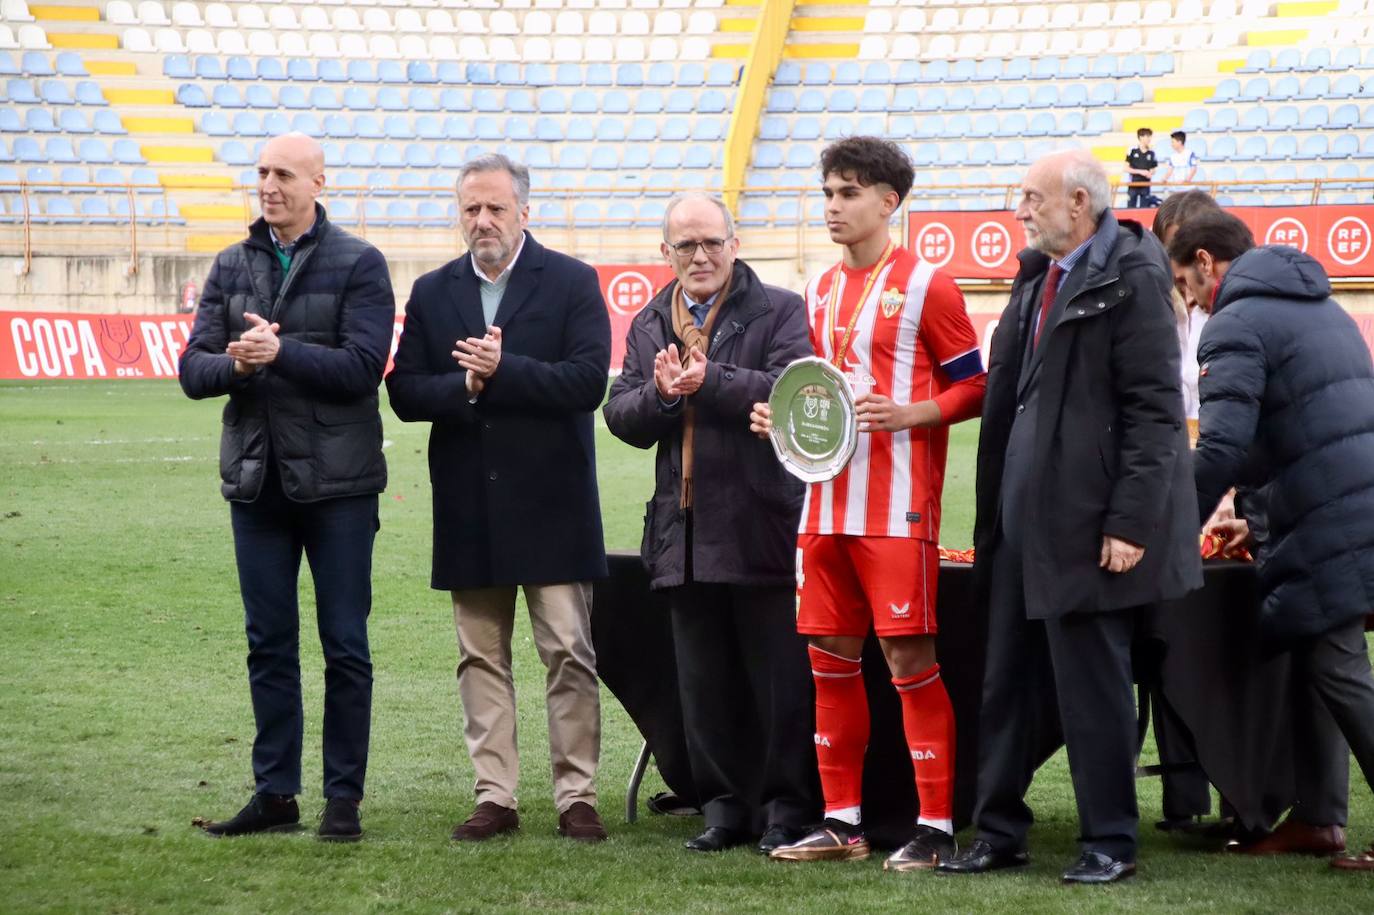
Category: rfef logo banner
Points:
column 72, row 345
column 983, row 245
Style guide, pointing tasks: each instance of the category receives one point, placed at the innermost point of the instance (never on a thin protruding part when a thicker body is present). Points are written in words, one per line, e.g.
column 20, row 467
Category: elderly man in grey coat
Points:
column 720, row 530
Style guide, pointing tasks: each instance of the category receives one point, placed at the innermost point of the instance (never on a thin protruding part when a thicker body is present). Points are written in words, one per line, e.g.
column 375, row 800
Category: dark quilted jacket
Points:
column 316, row 404
column 1287, row 393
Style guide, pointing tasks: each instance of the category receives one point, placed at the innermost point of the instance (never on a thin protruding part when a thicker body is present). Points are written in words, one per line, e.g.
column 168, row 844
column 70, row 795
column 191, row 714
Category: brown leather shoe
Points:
column 1364, row 861
column 487, row 820
column 1294, row 838
column 580, row 822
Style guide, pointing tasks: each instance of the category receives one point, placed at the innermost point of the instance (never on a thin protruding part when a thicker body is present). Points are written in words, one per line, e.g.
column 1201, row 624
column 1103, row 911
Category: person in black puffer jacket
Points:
column 1287, row 391
column 295, row 327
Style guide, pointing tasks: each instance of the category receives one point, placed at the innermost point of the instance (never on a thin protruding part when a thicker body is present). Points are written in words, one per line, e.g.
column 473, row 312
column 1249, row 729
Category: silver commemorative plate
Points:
column 815, row 427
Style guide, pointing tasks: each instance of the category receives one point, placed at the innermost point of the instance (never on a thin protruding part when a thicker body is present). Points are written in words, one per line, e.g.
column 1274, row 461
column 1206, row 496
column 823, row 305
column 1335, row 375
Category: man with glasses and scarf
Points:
column 720, row 530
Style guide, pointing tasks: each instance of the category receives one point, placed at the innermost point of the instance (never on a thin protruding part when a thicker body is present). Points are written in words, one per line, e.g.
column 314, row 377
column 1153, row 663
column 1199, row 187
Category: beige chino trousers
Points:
column 560, row 616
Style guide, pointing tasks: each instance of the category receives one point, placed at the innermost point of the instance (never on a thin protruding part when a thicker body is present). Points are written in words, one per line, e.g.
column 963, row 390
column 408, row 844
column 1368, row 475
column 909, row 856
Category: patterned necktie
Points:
column 1047, row 298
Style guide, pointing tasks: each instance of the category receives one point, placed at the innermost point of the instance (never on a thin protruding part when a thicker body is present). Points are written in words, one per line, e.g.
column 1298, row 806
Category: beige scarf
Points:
column 689, row 335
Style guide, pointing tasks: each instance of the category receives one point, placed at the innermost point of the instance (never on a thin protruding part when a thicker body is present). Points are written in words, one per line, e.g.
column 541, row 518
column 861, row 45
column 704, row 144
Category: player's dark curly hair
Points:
column 870, row 160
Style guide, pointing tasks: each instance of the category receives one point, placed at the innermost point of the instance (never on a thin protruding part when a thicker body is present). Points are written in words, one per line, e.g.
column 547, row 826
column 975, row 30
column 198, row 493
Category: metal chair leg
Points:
column 637, row 776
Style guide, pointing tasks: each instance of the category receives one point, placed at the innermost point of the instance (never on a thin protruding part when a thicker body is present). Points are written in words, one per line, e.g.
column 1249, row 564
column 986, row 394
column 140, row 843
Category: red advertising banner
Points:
column 72, row 345
column 984, row 245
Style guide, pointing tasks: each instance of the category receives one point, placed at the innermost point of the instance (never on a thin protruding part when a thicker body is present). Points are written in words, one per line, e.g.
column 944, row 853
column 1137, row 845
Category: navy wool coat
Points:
column 1287, row 392
column 514, row 474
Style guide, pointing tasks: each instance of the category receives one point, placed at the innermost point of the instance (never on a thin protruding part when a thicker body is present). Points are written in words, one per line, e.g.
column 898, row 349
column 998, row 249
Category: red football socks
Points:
column 841, row 731
column 928, row 719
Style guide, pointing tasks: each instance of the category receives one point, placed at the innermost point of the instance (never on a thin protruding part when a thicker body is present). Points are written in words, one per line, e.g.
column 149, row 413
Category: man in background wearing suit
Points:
column 506, row 351
column 1085, row 510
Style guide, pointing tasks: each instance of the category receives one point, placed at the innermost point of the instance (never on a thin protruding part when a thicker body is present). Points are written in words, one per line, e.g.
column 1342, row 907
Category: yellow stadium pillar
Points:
column 765, row 52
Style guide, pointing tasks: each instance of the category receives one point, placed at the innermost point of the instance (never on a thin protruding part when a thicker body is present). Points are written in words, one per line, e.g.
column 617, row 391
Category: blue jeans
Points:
column 336, row 535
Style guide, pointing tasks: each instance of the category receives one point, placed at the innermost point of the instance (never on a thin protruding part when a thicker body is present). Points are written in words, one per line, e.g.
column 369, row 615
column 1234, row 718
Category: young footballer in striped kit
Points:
column 868, row 551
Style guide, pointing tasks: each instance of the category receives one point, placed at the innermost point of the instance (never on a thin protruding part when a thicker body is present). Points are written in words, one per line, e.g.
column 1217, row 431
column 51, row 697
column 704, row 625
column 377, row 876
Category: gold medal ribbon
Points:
column 832, row 306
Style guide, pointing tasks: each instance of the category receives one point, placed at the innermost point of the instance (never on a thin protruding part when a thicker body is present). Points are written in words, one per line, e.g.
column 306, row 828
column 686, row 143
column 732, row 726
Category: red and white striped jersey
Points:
column 913, row 340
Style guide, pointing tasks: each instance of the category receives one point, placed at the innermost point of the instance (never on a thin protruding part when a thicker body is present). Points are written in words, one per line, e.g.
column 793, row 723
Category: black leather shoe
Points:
column 716, row 838
column 779, row 835
column 339, row 822
column 1095, row 867
column 979, row 858
column 264, row 813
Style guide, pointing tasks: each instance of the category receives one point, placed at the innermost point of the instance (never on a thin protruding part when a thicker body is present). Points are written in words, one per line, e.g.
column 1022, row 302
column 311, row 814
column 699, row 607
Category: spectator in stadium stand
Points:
column 1288, row 407
column 720, row 531
column 1140, row 168
column 1181, row 160
column 1085, row 511
column 294, row 325
column 898, row 329
column 506, row 351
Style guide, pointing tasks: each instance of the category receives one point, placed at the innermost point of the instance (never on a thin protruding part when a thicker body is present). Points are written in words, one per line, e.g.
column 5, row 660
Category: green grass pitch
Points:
column 124, row 713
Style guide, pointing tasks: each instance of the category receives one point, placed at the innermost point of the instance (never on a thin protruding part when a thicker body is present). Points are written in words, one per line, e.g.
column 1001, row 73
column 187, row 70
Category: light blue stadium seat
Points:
column 75, row 174
column 675, row 129
column 88, row 93
column 1222, row 120
column 816, row 74
column 1368, row 90
column 486, row 127
column 697, row 156
column 456, row 100
column 1017, row 68
column 1102, row 94
column 1315, row 117
column 649, row 101
column 21, row 91
column 1013, row 125
column 1344, row 146
column 1074, row 95
column 781, row 101
column 348, row 179
column 1256, row 147
column 270, row 68
column 620, row 213
column 812, row 100
column 583, row 101
column 6, row 154
column 572, row 157
column 300, row 70
column 957, row 126
column 982, row 153
column 801, row 155
column 58, row 209
column 1366, row 151
column 1012, row 152
column 934, row 99
column 73, row 121
column 1316, row 87
column 904, row 98
column 1161, row 65
column 1345, row 86
column 1255, row 90
column 1345, row 171
column 106, row 121
column 1074, row 66
column 1045, row 68
column 340, row 127
column 8, row 66
column 355, row 98
column 176, row 66
column 419, row 73
column 396, row 127
column 1041, row 125
column 1286, row 60
column 399, row 212
column 629, row 75
column 1015, row 97
column 1313, row 171
column 667, row 157
column 930, row 127
column 39, row 120
column 519, row 129
column 660, row 75
column 216, row 124
column 984, row 125
column 772, row 127
column 1227, row 90
column 389, row 156
column 96, row 210
column 332, row 70
column 360, row 71
column 847, row 73
column 259, row 96
column 806, row 128
column 1194, row 120
column 389, row 98
column 40, row 176
column 1256, row 118
column 59, row 149
column 421, row 98
column 108, row 174
column 547, row 130
column 962, row 71
column 1224, row 147
column 1315, row 146
column 359, row 155
column 712, row 101
column 322, row 98
column 1046, row 96
column 935, row 71
column 1104, row 66
column 708, row 130
column 10, row 121
column 482, row 100
column 767, row 155
column 1070, row 125
column 987, row 98
column 1285, row 117
column 1198, row 146
column 209, row 67
column 27, row 149
column 925, row 154
column 1286, row 87
column 56, row 92
column 570, row 75
column 275, row 123
column 391, row 71
column 908, row 71
column 239, row 68
column 419, row 155
column 1346, row 59
column 839, row 127
column 871, row 99
column 789, row 73
column 877, row 73
column 634, row 158
column 989, row 69
column 723, row 73
column 1283, row 147
column 1257, row 61
column 1344, row 117
column 581, row 129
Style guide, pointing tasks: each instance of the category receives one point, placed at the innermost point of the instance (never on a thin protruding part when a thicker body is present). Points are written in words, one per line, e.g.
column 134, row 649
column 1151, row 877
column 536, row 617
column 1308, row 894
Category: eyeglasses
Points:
column 686, row 249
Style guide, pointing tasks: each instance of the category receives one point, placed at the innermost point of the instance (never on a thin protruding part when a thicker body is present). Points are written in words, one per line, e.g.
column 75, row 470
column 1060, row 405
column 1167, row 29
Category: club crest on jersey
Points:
column 891, row 301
